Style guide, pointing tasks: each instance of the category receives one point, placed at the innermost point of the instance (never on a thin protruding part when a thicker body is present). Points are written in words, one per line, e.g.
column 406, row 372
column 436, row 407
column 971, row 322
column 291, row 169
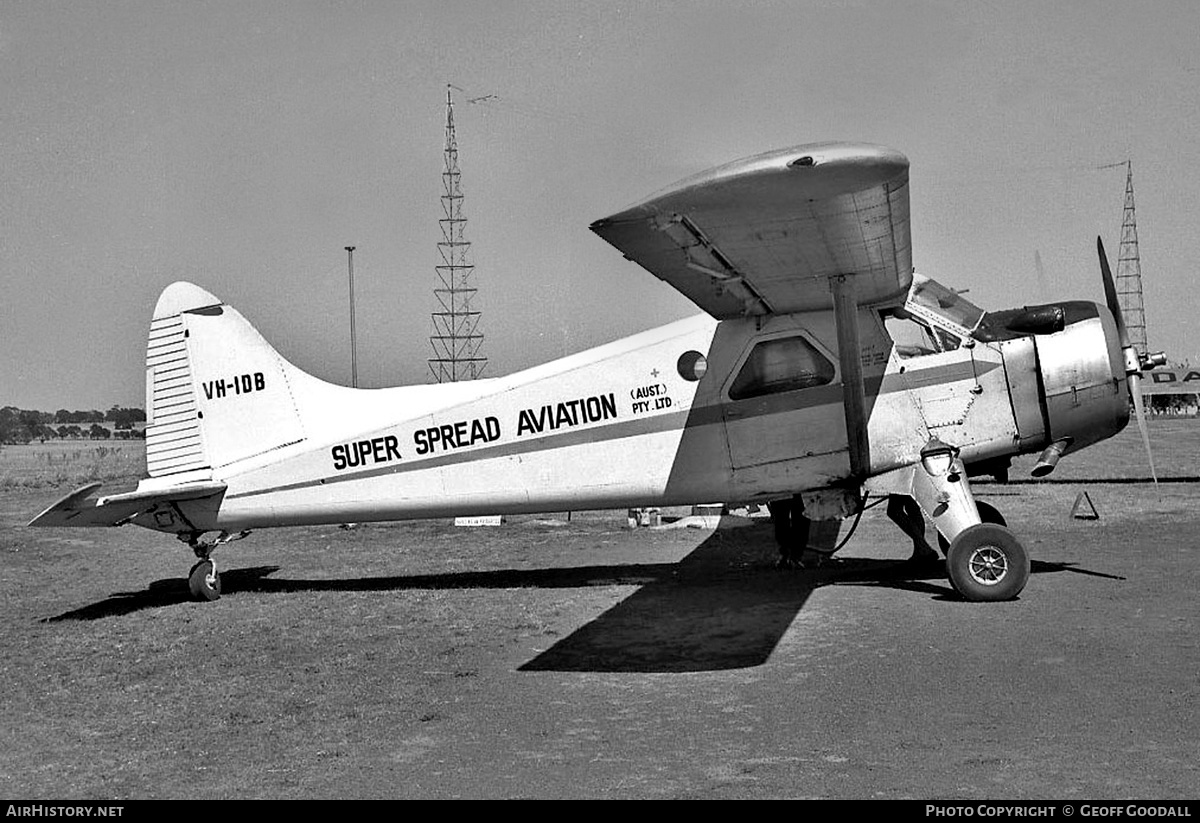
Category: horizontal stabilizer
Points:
column 80, row 509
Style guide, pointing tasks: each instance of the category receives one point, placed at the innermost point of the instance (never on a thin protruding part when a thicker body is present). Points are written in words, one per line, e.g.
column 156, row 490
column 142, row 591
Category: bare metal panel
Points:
column 1024, row 388
column 764, row 234
column 1083, row 397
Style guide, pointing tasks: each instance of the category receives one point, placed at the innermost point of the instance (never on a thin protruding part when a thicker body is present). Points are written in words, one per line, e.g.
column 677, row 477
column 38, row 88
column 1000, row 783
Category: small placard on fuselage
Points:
column 480, row 520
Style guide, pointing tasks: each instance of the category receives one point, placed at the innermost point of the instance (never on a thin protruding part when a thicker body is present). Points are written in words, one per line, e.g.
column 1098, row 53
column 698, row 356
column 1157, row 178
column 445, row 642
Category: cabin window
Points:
column 916, row 339
column 781, row 365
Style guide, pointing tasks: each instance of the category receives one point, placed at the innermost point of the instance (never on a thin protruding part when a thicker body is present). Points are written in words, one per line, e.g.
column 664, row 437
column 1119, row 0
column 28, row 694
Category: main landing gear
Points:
column 204, row 581
column 984, row 560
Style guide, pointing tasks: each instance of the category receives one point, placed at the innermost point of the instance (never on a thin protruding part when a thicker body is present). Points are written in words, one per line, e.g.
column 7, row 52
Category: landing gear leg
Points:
column 204, row 581
column 906, row 513
column 987, row 514
column 791, row 531
column 984, row 560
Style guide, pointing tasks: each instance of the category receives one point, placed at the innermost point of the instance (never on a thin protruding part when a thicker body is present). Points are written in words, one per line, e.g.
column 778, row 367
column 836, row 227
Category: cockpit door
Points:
column 783, row 402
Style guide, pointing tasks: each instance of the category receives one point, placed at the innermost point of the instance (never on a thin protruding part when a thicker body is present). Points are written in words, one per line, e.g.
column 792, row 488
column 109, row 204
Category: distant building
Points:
column 1173, row 389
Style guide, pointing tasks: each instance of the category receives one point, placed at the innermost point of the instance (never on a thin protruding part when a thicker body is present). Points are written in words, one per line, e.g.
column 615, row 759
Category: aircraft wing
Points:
column 763, row 235
column 80, row 509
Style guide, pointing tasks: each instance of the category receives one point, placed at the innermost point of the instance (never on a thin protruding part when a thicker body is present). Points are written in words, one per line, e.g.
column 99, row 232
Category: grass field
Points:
column 71, row 463
column 1175, row 443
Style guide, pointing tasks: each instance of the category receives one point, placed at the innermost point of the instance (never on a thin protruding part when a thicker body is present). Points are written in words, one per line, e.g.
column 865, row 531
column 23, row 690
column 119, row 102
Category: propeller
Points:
column 1133, row 362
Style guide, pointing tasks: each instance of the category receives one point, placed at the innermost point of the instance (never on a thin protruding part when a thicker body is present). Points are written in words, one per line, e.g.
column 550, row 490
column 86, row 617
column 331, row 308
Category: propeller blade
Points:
column 1139, row 410
column 1132, row 361
column 1110, row 295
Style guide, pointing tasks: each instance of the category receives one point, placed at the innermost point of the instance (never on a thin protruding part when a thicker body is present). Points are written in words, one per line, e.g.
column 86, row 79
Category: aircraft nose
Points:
column 1083, row 379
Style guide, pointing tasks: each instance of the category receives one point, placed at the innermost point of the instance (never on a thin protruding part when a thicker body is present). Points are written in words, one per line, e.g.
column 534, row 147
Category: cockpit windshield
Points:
column 933, row 319
column 933, row 297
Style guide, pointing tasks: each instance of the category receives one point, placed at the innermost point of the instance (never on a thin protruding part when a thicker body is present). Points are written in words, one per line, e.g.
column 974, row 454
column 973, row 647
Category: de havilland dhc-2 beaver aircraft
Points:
column 823, row 371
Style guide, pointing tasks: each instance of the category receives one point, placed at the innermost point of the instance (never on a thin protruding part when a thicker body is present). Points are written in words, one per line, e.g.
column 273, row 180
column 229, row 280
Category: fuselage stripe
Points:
column 830, row 395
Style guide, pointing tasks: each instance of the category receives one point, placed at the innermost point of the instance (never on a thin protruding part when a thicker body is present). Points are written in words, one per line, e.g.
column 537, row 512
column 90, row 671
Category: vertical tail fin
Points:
column 216, row 391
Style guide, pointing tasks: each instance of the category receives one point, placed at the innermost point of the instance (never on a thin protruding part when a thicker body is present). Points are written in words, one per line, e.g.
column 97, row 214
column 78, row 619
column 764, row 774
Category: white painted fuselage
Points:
column 660, row 418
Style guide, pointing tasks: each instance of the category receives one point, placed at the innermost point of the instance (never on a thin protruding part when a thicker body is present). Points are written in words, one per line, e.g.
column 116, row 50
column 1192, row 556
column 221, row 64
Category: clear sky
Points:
column 243, row 145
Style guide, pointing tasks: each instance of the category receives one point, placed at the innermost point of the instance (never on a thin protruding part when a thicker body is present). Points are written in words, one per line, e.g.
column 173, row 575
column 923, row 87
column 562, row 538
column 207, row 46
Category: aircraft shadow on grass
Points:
column 723, row 606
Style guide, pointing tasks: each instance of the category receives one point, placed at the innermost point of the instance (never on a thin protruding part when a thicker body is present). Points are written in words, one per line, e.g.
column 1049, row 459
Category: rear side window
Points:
column 781, row 365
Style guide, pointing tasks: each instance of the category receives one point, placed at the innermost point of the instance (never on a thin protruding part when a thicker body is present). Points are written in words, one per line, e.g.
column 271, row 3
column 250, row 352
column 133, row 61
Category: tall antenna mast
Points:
column 353, row 337
column 456, row 339
column 1129, row 270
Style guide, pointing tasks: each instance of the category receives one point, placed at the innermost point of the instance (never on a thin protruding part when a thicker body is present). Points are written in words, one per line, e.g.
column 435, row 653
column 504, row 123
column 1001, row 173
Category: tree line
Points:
column 26, row 425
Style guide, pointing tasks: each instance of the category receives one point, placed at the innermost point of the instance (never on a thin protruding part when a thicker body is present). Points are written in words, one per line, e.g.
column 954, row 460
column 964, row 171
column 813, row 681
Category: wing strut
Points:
column 854, row 400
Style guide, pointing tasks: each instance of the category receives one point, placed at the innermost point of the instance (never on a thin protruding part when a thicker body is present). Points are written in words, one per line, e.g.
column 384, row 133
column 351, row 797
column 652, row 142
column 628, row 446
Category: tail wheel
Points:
column 204, row 582
column 987, row 514
column 987, row 563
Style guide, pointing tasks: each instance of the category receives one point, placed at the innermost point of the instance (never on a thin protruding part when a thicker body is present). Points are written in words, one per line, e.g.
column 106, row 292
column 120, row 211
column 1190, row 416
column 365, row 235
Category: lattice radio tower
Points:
column 456, row 338
column 1129, row 269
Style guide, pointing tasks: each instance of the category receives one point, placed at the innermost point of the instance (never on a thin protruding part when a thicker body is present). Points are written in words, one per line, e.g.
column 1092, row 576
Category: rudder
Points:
column 216, row 391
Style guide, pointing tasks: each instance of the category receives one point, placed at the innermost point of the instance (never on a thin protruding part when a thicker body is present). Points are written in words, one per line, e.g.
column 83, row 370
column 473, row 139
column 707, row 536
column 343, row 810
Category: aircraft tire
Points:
column 204, row 582
column 986, row 562
column 987, row 514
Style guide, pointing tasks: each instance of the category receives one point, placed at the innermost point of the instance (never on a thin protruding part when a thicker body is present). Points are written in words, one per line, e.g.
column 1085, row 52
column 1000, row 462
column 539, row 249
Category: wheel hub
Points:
column 988, row 565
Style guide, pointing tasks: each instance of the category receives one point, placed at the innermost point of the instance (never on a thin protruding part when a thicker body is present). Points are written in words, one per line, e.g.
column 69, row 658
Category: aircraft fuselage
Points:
column 739, row 411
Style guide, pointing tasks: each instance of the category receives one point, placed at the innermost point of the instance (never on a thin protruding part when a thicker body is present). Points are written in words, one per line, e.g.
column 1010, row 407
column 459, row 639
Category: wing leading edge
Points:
column 765, row 234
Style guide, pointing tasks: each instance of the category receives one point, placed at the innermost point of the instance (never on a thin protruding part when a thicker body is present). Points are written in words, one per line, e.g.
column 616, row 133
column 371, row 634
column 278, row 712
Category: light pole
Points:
column 353, row 341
